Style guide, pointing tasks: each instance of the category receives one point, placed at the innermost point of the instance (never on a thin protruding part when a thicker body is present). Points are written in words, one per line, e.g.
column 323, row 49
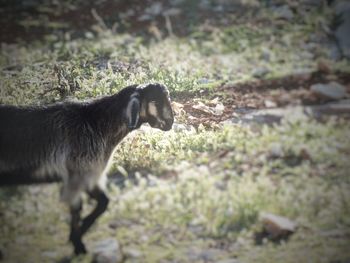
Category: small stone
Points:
column 219, row 109
column 107, row 251
column 260, row 72
column 132, row 252
column 306, row 55
column 276, row 150
column 270, row 104
column 284, row 12
column 265, row 55
column 332, row 90
column 204, row 4
column 203, row 81
column 179, row 127
column 313, row 3
column 144, row 17
column 49, row 254
column 332, row 108
column 208, row 255
column 277, row 226
column 229, row 260
column 177, row 2
column 172, row 12
column 155, row 9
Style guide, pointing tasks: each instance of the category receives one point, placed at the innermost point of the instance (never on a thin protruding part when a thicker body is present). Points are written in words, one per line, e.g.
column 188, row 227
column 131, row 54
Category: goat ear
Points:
column 133, row 112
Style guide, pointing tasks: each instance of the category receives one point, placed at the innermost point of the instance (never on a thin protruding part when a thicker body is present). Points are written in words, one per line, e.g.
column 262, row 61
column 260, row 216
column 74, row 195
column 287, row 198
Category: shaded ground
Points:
column 33, row 20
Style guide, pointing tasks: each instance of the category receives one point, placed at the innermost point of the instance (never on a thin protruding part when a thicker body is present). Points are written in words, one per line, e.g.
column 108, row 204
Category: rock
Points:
column 172, row 12
column 204, row 4
column 176, row 2
column 208, row 255
column 270, row 104
column 306, row 55
column 203, row 81
column 265, row 55
column 155, row 9
column 49, row 254
column 265, row 116
column 312, row 3
column 276, row 150
column 275, row 115
column 229, row 260
column 284, row 12
column 179, row 127
column 332, row 90
column 196, row 229
column 217, row 110
column 107, row 251
column 219, row 8
column 333, row 108
column 144, row 17
column 260, row 72
column 277, row 226
column 132, row 252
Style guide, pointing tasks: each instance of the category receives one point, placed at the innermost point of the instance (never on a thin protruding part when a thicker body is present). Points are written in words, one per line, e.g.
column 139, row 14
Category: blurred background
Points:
column 256, row 167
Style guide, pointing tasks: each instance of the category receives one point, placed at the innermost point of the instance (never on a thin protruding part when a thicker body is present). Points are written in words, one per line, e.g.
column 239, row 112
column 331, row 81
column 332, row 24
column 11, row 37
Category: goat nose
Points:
column 168, row 125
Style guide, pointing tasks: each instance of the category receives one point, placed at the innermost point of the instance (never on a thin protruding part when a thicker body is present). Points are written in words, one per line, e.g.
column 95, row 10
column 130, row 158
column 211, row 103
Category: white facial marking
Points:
column 152, row 109
column 166, row 113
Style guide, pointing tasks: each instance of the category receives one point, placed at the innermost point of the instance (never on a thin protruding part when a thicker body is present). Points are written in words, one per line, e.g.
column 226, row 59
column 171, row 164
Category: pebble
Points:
column 332, row 90
column 132, row 252
column 284, row 12
column 107, row 251
column 229, row 260
column 260, row 72
column 277, row 226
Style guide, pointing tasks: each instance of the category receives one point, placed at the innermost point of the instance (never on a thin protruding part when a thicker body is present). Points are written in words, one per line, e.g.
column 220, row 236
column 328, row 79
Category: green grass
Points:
column 104, row 62
column 220, row 195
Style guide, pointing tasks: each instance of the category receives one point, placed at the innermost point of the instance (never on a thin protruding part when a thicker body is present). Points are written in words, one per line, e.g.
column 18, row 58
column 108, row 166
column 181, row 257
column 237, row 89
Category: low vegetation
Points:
column 182, row 193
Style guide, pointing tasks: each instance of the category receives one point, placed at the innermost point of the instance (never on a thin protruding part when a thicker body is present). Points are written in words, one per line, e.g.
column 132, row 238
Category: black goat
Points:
column 74, row 143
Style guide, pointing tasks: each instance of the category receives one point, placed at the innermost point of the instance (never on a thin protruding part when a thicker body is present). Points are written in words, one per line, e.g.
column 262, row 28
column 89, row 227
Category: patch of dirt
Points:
column 261, row 94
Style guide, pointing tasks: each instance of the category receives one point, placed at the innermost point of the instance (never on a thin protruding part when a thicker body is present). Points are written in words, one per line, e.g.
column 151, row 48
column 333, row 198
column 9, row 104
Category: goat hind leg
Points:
column 102, row 203
column 75, row 224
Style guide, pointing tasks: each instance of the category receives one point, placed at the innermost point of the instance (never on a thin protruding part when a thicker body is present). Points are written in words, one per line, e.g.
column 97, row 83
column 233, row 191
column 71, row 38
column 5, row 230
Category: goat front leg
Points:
column 101, row 206
column 75, row 224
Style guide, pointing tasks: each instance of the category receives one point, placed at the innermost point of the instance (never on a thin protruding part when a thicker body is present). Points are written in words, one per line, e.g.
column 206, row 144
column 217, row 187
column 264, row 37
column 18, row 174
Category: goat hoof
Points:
column 80, row 249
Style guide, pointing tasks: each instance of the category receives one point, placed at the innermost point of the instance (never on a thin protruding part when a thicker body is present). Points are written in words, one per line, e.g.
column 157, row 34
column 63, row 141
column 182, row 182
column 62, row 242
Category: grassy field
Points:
column 190, row 195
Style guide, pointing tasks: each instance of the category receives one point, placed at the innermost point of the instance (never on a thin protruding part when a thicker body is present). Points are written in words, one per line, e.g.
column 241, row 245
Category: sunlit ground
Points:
column 194, row 194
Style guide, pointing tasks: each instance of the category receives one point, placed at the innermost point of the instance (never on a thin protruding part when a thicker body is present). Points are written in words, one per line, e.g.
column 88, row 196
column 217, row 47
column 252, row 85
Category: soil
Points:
column 261, row 94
